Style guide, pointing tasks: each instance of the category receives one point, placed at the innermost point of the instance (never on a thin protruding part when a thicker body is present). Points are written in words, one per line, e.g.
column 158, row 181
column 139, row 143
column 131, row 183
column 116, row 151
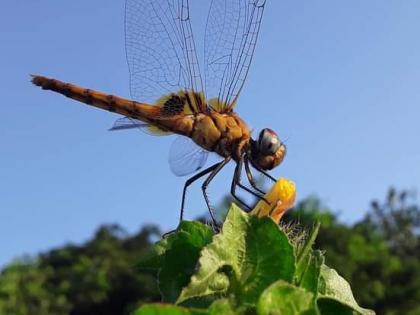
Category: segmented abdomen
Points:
column 158, row 116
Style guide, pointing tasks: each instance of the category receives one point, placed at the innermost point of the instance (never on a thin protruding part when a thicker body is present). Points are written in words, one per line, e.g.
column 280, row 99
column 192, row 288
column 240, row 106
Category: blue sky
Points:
column 339, row 80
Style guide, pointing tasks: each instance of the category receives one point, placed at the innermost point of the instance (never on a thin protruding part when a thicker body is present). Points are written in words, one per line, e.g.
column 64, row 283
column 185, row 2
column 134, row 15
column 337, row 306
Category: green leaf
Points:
column 174, row 259
column 333, row 287
column 283, row 298
column 221, row 306
column 333, row 307
column 218, row 307
column 167, row 309
column 246, row 257
column 304, row 257
column 310, row 278
column 153, row 260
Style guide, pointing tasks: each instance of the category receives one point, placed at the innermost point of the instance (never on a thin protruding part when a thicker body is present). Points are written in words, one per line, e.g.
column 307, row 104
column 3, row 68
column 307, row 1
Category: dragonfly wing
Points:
column 186, row 157
column 160, row 49
column 230, row 38
column 125, row 123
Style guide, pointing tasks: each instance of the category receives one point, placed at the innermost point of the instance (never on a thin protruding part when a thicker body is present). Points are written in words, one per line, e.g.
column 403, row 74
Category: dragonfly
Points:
column 175, row 92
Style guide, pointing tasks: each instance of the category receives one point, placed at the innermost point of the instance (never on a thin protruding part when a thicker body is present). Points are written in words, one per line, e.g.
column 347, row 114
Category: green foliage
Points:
column 95, row 278
column 236, row 262
column 378, row 255
column 23, row 291
column 251, row 267
column 163, row 309
column 170, row 263
column 333, row 287
column 283, row 298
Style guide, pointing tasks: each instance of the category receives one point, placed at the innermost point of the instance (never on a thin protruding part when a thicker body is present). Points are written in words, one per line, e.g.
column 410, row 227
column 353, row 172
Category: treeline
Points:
column 379, row 256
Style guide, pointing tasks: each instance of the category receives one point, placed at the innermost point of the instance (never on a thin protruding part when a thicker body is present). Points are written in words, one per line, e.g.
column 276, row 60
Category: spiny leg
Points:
column 190, row 181
column 243, row 186
column 263, row 172
column 251, row 177
column 236, row 181
column 206, row 183
column 184, row 192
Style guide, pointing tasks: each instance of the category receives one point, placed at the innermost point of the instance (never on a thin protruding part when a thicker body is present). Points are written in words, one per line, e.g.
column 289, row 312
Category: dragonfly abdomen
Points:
column 147, row 113
column 98, row 99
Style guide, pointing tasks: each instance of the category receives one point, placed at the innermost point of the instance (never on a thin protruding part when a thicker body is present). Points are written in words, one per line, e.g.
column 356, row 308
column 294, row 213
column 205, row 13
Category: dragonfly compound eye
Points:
column 268, row 142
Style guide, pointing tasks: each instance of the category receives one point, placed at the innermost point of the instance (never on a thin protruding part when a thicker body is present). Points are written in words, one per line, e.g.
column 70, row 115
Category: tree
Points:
column 378, row 255
column 97, row 277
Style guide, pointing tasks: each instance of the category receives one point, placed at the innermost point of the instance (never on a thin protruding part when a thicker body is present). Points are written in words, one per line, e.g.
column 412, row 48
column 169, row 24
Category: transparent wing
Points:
column 160, row 49
column 125, row 123
column 230, row 38
column 186, row 157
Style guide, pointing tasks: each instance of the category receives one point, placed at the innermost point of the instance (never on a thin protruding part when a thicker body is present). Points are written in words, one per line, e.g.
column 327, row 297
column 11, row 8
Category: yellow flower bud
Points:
column 280, row 198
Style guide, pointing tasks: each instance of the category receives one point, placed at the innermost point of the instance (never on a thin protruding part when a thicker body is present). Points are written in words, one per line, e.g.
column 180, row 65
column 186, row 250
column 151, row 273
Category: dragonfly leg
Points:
column 251, row 177
column 190, row 181
column 215, row 170
column 263, row 172
column 237, row 182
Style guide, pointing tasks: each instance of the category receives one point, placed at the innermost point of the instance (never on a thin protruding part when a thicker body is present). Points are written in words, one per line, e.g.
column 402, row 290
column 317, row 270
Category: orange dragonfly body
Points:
column 170, row 97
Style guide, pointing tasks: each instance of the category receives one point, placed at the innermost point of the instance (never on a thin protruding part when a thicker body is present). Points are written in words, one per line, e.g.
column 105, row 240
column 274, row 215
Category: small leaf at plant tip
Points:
column 333, row 287
column 304, row 256
column 246, row 257
column 310, row 278
column 167, row 309
column 283, row 298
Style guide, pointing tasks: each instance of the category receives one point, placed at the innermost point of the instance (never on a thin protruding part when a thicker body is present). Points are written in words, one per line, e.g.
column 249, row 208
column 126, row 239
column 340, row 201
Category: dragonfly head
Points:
column 268, row 151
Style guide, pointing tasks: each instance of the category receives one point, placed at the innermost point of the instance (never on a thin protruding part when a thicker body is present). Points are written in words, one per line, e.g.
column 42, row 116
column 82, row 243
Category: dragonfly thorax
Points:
column 225, row 134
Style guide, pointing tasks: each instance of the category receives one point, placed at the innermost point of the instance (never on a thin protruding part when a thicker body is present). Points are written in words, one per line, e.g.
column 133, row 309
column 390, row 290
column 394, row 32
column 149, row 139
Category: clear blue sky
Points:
column 340, row 80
